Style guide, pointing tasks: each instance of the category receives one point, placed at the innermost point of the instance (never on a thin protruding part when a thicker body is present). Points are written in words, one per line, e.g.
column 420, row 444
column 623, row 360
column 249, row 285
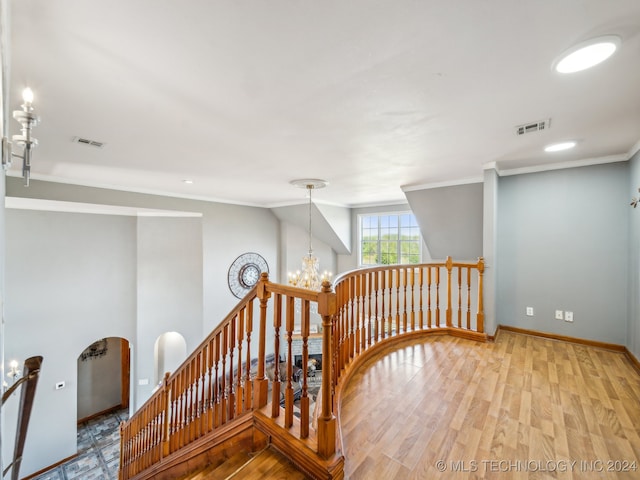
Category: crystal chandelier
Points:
column 309, row 277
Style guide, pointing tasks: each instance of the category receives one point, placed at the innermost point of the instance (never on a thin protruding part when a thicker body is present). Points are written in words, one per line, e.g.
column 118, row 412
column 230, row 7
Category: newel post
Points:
column 327, row 308
column 166, row 415
column 480, row 316
column 261, row 384
column 449, row 265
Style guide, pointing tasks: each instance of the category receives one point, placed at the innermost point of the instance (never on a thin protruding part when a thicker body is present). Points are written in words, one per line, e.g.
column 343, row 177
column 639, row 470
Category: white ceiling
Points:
column 243, row 96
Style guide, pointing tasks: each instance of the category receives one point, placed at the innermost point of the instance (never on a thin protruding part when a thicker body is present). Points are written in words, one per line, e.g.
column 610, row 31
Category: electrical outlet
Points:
column 60, row 385
column 568, row 316
column 559, row 315
column 529, row 311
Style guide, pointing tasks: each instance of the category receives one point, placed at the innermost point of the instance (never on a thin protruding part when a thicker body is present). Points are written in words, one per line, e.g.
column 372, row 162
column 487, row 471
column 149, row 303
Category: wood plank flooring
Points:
column 523, row 407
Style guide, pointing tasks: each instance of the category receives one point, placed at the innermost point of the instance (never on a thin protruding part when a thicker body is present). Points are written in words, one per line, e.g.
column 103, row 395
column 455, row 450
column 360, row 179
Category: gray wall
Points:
column 169, row 290
column 633, row 331
column 91, row 267
column 563, row 243
column 71, row 279
column 450, row 219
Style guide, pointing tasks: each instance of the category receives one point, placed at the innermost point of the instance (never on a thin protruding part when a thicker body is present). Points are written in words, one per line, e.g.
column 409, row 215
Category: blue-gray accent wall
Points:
column 563, row 244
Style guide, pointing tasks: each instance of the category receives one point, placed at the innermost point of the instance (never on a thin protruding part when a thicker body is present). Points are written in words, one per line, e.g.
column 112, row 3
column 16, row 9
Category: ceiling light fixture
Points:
column 28, row 119
column 309, row 277
column 559, row 147
column 587, row 54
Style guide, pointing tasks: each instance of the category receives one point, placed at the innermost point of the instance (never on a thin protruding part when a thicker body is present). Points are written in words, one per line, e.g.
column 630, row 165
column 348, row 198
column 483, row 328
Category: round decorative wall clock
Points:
column 245, row 272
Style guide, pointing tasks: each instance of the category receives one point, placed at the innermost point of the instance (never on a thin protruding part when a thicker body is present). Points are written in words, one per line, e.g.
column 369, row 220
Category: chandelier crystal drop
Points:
column 309, row 277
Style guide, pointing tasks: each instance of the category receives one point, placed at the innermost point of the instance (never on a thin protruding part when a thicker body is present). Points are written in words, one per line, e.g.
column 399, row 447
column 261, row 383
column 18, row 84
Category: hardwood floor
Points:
column 523, row 407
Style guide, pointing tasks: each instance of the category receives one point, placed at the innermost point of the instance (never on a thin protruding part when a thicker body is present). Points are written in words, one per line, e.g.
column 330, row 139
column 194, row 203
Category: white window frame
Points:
column 361, row 216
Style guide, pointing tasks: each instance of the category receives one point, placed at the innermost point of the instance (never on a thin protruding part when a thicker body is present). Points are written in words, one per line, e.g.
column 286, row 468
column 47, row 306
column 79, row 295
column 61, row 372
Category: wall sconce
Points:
column 14, row 372
column 28, row 119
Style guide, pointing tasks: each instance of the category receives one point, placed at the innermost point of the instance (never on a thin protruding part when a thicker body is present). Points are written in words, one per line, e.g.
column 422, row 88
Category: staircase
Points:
column 239, row 392
column 267, row 463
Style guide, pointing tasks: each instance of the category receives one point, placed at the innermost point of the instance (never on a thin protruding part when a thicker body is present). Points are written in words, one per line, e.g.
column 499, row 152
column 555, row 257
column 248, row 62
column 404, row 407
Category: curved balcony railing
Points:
column 251, row 363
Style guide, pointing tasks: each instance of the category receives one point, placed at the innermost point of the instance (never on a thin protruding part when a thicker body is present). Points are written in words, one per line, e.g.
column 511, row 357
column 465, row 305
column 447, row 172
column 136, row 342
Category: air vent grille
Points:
column 86, row 141
column 533, row 127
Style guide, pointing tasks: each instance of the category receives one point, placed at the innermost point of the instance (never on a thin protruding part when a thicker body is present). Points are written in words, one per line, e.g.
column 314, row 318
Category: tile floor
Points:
column 98, row 451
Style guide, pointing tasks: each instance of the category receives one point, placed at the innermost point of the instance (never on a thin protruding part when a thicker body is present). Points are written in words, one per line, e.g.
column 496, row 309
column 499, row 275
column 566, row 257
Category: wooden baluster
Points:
column 239, row 378
column 480, row 316
column 404, row 300
column 383, row 317
column 224, row 389
column 199, row 395
column 355, row 335
column 275, row 386
column 362, row 316
column 468, row 298
column 412, row 290
column 429, row 323
column 365, row 280
column 248, row 390
column 304, row 399
column 288, row 395
column 210, row 401
column 181, row 410
column 420, row 294
column 370, row 317
column 174, row 415
column 202, row 410
column 190, row 399
column 216, row 383
column 437, row 288
column 397, row 284
column 459, row 297
column 231, row 404
column 449, row 267
column 339, row 333
column 359, row 337
column 376, row 314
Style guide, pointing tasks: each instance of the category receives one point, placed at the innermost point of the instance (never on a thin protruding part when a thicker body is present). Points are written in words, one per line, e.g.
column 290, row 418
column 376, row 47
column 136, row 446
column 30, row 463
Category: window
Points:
column 389, row 238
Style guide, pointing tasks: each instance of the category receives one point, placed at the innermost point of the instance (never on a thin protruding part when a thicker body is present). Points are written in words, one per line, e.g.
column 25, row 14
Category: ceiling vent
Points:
column 86, row 141
column 533, row 127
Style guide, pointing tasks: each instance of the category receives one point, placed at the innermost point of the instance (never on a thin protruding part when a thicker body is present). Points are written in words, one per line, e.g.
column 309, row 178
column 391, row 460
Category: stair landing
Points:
column 267, row 463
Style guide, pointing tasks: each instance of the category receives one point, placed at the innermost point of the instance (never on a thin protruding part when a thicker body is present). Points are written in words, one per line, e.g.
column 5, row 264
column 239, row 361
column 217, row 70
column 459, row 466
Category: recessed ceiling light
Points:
column 587, row 54
column 188, row 181
column 558, row 147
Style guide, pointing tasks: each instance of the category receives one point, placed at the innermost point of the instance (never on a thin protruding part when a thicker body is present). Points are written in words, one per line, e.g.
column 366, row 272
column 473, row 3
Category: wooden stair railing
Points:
column 379, row 303
column 27, row 384
column 225, row 378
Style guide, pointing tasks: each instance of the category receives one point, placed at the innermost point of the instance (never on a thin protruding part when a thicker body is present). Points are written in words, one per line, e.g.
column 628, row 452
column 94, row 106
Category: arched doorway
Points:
column 103, row 378
column 170, row 351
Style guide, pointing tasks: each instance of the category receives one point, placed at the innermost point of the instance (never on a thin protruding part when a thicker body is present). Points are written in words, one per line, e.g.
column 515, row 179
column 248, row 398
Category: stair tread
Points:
column 268, row 464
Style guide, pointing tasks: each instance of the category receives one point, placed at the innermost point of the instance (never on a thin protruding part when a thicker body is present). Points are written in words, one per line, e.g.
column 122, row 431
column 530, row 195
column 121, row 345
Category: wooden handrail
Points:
column 28, row 383
column 235, row 371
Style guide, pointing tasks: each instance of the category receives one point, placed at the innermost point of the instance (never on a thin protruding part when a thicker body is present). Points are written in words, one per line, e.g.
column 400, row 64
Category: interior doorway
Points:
column 170, row 351
column 103, row 378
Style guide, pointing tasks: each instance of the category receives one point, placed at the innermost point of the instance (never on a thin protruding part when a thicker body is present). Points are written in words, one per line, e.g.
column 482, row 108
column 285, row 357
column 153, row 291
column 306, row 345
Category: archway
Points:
column 170, row 351
column 103, row 378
